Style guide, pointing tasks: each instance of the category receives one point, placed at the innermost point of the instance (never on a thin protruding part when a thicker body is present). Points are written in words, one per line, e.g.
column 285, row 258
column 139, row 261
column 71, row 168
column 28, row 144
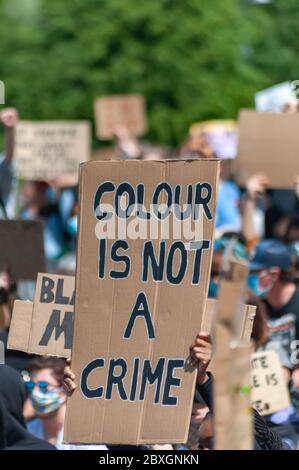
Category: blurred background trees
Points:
column 192, row 59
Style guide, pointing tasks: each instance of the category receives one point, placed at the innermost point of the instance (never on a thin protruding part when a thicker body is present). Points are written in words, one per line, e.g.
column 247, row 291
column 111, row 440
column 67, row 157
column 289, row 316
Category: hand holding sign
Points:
column 256, row 184
column 201, row 355
column 69, row 379
column 9, row 117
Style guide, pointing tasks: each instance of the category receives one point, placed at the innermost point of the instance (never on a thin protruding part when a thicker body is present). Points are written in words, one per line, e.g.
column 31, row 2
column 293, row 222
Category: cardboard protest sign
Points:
column 50, row 149
column 120, row 111
column 22, row 248
column 231, row 388
column 20, row 325
column 269, row 391
column 140, row 292
column 208, row 315
column 242, row 424
column 247, row 326
column 247, row 319
column 45, row 327
column 268, row 143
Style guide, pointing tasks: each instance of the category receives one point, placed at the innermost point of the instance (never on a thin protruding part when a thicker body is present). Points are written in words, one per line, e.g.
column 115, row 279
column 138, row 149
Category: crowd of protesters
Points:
column 264, row 224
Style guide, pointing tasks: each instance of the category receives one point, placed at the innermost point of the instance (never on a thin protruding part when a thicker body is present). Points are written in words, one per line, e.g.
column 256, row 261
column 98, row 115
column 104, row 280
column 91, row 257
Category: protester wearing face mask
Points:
column 13, row 432
column 49, row 402
column 271, row 278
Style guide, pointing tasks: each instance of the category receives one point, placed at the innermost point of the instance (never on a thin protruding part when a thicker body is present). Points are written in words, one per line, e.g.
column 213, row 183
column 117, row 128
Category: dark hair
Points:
column 56, row 364
column 287, row 275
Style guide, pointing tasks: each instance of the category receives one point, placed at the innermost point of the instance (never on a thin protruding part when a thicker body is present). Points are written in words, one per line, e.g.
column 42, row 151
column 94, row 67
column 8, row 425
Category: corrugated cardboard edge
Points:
column 78, row 263
column 228, row 309
column 19, row 331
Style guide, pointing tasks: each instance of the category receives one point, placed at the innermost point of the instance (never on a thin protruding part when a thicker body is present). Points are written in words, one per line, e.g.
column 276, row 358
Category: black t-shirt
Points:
column 284, row 202
column 284, row 323
column 291, row 308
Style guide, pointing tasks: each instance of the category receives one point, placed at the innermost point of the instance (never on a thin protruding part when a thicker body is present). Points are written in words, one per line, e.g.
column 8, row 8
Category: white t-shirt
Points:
column 35, row 427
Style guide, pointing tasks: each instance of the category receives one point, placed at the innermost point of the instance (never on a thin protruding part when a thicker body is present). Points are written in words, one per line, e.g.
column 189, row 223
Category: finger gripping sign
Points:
column 143, row 264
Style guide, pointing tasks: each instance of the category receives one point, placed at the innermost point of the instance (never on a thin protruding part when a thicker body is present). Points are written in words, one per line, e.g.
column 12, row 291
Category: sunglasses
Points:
column 43, row 385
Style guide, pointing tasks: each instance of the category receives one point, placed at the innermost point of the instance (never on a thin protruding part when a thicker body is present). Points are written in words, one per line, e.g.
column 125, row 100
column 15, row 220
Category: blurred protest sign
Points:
column 221, row 136
column 120, row 111
column 232, row 419
column 245, row 330
column 22, row 248
column 247, row 323
column 269, row 392
column 275, row 98
column 268, row 144
column 140, row 293
column 49, row 149
column 45, row 327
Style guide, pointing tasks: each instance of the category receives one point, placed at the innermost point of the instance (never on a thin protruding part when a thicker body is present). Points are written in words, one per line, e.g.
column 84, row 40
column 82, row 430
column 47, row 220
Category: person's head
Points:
column 46, row 385
column 13, row 432
column 271, row 264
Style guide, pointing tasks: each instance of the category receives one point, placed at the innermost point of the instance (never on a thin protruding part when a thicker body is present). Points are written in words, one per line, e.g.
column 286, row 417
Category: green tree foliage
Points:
column 192, row 59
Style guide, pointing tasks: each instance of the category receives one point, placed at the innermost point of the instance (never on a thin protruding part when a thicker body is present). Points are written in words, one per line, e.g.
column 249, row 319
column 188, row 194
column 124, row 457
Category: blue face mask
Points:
column 213, row 289
column 253, row 284
column 45, row 402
